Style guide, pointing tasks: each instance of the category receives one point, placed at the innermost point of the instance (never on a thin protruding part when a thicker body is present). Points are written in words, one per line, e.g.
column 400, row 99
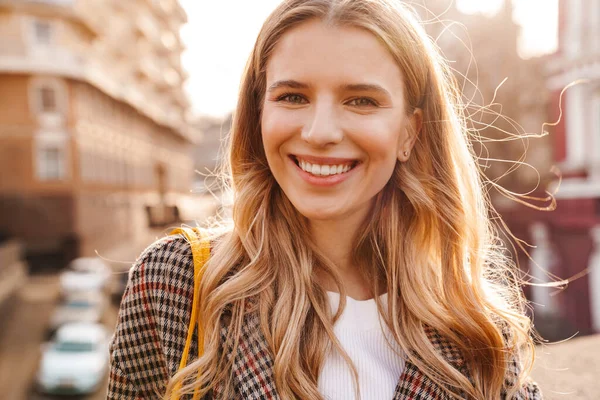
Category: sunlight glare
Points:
column 486, row 7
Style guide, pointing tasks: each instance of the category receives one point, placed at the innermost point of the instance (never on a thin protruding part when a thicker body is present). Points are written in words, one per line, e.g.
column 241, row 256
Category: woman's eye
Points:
column 363, row 102
column 292, row 98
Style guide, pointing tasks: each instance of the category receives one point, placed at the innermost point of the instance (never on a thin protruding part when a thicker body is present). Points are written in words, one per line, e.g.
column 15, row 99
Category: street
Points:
column 569, row 370
column 24, row 329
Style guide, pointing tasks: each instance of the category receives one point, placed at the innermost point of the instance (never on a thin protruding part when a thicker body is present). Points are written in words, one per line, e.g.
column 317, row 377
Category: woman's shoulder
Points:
column 153, row 319
column 164, row 273
column 167, row 260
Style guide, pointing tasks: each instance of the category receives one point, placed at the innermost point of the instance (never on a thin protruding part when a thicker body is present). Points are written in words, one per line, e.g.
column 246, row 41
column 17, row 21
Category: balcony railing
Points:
column 55, row 61
column 53, row 2
column 61, row 3
column 76, row 10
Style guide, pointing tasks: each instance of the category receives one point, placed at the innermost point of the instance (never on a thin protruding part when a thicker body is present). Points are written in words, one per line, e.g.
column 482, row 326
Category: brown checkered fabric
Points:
column 152, row 326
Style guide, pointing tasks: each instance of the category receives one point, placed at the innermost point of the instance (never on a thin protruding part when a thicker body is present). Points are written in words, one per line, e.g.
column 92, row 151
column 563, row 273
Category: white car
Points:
column 79, row 307
column 85, row 274
column 76, row 361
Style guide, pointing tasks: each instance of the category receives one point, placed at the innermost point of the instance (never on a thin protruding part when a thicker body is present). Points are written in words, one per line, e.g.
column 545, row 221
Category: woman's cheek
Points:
column 277, row 125
column 377, row 140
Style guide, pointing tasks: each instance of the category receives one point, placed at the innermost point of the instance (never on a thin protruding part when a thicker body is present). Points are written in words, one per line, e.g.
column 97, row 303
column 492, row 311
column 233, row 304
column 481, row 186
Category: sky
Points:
column 218, row 42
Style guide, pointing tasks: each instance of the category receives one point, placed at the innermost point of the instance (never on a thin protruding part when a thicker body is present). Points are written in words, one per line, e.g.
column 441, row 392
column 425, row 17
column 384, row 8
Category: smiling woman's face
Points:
column 334, row 119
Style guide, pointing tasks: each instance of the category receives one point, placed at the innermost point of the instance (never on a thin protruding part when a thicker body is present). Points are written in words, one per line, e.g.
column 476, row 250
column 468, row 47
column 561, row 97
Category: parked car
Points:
column 85, row 274
column 75, row 361
column 79, row 307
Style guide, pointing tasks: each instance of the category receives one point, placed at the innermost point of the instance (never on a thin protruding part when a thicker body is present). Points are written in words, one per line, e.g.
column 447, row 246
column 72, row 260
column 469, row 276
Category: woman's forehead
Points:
column 316, row 53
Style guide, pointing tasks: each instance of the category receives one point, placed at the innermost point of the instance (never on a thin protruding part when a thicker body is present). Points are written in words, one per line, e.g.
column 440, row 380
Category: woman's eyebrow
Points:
column 366, row 87
column 351, row 87
column 288, row 83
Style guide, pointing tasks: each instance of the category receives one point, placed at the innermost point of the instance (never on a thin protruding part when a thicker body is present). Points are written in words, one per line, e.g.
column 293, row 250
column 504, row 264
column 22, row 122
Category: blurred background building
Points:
column 214, row 130
column 573, row 228
column 96, row 156
column 568, row 245
column 207, row 158
column 95, row 144
column 482, row 50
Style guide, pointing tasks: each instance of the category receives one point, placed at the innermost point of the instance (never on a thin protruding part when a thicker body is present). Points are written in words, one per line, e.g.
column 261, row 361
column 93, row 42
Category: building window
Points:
column 47, row 99
column 51, row 155
column 43, row 32
column 51, row 163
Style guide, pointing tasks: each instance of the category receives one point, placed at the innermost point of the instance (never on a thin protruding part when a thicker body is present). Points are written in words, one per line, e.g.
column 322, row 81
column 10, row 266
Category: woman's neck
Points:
column 336, row 240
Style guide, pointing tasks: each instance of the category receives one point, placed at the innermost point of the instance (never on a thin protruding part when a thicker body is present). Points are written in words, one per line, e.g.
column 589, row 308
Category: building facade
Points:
column 562, row 246
column 573, row 227
column 94, row 140
column 215, row 131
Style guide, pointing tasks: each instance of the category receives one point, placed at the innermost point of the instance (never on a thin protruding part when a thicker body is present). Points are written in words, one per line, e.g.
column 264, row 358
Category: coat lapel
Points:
column 415, row 385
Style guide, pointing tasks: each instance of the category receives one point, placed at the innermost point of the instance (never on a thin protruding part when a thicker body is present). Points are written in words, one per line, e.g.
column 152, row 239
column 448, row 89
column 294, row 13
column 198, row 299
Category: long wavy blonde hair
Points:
column 429, row 238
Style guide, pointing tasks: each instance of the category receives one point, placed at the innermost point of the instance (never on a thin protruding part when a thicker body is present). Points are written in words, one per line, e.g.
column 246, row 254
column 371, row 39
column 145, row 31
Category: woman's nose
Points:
column 323, row 128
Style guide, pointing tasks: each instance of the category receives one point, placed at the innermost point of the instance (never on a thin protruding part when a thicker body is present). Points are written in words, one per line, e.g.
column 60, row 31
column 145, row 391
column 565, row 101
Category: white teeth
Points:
column 324, row 170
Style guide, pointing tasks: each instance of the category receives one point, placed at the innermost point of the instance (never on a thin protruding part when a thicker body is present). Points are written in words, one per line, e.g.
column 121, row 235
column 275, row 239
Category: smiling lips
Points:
column 324, row 167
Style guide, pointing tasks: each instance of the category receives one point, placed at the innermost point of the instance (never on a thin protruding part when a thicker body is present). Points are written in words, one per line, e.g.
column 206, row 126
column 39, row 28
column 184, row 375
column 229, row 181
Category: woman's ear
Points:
column 413, row 129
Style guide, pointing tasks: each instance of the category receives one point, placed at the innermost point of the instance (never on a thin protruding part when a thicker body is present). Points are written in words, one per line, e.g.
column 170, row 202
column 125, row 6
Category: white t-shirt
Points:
column 363, row 338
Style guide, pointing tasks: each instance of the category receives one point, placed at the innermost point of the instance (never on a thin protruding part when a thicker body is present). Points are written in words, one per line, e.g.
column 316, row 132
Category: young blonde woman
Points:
column 361, row 262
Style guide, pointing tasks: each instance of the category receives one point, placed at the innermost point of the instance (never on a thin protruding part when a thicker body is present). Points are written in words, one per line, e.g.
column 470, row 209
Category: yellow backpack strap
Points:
column 201, row 252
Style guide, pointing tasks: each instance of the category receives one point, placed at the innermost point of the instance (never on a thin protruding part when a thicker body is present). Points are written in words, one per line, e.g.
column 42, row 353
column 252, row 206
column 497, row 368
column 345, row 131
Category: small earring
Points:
column 405, row 153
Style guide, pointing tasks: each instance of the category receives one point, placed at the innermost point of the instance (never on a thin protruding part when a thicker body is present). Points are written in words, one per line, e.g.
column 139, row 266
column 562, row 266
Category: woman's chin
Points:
column 332, row 209
column 320, row 212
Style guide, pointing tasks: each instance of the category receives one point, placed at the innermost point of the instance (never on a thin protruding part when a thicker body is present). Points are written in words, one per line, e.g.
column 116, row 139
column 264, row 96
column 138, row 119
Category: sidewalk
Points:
column 569, row 370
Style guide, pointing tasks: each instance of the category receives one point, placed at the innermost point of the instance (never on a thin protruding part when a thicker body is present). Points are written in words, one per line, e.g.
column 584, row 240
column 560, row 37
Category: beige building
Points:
column 94, row 140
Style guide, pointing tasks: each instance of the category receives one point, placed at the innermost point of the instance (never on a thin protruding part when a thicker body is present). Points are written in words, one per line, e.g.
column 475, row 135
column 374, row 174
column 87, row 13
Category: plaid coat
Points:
column 150, row 337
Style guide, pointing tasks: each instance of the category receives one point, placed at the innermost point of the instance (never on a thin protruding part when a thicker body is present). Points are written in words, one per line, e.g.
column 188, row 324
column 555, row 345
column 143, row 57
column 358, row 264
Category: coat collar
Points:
column 253, row 367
